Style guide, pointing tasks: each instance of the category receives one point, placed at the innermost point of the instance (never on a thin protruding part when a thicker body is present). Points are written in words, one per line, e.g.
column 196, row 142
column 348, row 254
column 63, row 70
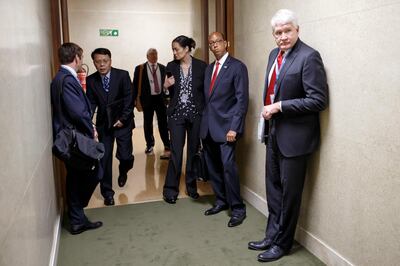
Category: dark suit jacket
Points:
column 198, row 68
column 303, row 91
column 145, row 97
column 118, row 101
column 226, row 106
column 75, row 104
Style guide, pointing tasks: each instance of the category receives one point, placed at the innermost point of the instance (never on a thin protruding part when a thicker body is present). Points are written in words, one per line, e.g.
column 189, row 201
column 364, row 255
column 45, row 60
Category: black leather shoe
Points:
column 122, row 180
column 236, row 220
column 215, row 209
column 272, row 254
column 170, row 200
column 77, row 229
column 260, row 245
column 194, row 195
column 109, row 201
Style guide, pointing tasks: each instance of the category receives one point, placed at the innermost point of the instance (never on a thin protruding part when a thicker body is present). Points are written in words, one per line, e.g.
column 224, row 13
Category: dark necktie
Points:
column 106, row 84
column 214, row 77
column 155, row 79
column 271, row 86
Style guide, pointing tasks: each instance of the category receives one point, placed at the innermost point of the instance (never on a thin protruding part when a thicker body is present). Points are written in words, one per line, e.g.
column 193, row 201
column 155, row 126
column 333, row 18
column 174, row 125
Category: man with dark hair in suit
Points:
column 148, row 93
column 296, row 91
column 226, row 89
column 110, row 90
column 69, row 101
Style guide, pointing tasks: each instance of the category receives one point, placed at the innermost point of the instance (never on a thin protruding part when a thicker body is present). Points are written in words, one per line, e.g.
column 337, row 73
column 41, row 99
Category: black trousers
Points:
column 284, row 181
column 123, row 138
column 155, row 103
column 223, row 172
column 79, row 188
column 179, row 130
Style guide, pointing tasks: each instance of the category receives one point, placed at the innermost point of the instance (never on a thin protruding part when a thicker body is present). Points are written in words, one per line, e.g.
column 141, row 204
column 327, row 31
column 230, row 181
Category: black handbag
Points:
column 74, row 148
column 200, row 166
column 77, row 150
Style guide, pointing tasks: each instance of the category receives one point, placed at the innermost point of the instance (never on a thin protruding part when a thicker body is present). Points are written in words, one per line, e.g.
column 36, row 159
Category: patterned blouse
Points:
column 185, row 109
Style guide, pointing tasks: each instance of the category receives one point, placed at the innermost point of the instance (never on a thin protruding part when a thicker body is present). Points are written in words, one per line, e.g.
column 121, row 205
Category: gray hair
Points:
column 151, row 50
column 284, row 16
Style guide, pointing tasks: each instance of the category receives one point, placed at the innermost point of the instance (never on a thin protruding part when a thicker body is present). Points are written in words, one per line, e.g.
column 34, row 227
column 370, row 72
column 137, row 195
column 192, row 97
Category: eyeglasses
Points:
column 211, row 44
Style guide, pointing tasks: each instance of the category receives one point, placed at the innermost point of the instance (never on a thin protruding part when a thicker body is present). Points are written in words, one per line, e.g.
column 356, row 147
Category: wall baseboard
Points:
column 313, row 244
column 56, row 241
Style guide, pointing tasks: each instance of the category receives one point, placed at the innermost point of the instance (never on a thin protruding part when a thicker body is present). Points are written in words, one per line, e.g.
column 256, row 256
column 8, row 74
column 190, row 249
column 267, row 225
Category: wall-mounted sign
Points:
column 109, row 32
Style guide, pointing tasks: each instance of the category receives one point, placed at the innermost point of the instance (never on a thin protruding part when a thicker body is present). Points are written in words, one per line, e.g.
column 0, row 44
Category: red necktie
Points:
column 155, row 79
column 214, row 77
column 271, row 86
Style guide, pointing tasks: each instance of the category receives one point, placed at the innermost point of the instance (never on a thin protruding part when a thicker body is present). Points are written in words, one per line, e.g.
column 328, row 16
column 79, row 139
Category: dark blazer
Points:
column 198, row 68
column 302, row 88
column 226, row 106
column 145, row 97
column 75, row 104
column 119, row 100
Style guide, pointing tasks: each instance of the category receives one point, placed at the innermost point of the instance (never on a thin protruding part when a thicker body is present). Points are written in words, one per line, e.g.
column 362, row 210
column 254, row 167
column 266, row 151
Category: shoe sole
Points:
column 257, row 249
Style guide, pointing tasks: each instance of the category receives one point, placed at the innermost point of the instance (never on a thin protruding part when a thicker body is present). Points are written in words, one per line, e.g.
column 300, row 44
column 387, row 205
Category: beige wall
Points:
column 141, row 25
column 351, row 200
column 28, row 206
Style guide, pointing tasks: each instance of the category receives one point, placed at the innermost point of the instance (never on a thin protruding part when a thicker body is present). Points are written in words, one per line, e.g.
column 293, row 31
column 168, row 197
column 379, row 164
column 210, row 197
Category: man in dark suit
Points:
column 296, row 91
column 110, row 90
column 226, row 92
column 69, row 101
column 148, row 93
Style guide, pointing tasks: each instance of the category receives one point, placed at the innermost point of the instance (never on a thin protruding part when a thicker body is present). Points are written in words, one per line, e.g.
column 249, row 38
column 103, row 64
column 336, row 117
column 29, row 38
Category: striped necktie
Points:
column 106, row 84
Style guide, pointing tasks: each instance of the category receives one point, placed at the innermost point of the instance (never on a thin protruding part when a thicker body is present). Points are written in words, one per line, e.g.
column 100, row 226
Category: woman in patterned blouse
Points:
column 185, row 80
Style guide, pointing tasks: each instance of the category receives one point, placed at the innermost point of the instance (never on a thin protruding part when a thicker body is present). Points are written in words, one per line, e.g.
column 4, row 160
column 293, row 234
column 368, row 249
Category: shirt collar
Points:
column 71, row 70
column 223, row 59
column 106, row 75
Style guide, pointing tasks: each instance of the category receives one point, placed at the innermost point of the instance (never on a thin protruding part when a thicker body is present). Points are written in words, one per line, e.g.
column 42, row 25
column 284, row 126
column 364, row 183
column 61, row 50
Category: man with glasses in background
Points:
column 110, row 90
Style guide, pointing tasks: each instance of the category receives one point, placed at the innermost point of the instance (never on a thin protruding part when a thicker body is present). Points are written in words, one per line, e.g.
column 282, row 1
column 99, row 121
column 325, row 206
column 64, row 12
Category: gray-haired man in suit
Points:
column 296, row 91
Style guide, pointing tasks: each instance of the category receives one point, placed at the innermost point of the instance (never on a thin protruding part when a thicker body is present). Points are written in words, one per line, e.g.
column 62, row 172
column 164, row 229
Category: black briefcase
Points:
column 77, row 150
column 200, row 167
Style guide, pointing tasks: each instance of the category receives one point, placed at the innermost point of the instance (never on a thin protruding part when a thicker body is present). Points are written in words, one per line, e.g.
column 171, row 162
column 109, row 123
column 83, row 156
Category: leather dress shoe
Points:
column 272, row 254
column 170, row 200
column 260, row 245
column 236, row 220
column 109, row 201
column 77, row 229
column 215, row 209
column 194, row 195
column 122, row 180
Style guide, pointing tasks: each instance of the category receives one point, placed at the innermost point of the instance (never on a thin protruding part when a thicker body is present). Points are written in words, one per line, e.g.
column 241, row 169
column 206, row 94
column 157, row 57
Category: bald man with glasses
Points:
column 226, row 89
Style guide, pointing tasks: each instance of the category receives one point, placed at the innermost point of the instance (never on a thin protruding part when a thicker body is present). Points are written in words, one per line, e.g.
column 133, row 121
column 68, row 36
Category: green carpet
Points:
column 157, row 233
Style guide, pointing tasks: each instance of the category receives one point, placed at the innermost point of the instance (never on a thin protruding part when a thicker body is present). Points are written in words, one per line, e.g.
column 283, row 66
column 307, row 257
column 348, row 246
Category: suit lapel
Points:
column 222, row 71
column 98, row 86
column 113, row 85
column 207, row 80
column 288, row 62
column 271, row 61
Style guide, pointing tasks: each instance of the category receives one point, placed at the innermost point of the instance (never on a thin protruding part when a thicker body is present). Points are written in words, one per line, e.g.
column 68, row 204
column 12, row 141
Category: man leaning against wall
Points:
column 295, row 93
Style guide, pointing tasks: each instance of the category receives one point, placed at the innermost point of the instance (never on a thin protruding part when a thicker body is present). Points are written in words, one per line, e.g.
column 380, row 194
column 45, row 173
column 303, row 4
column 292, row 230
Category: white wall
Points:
column 141, row 25
column 28, row 206
column 351, row 200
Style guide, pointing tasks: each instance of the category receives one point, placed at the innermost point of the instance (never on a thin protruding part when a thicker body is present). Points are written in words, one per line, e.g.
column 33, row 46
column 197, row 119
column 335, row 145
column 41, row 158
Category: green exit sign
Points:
column 109, row 32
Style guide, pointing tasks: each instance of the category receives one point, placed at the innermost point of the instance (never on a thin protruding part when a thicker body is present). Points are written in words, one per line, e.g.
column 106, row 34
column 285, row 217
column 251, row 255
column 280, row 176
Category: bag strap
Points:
column 140, row 79
column 61, row 116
